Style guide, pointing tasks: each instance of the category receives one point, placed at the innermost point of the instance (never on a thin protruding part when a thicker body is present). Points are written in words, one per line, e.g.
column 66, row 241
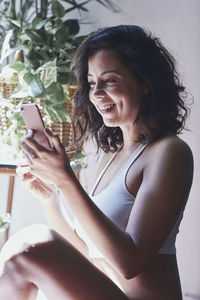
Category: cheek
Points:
column 91, row 99
column 90, row 96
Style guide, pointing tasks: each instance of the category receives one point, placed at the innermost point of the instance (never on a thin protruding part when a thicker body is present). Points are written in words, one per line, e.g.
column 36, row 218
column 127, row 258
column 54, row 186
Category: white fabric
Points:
column 116, row 202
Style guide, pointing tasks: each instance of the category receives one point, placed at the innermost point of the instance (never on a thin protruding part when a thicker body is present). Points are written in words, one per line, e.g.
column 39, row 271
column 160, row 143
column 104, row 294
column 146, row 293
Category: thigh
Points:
column 62, row 272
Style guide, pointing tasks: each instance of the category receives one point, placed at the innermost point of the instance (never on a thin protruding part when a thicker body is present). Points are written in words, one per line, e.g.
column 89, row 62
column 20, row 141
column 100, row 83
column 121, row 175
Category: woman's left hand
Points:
column 46, row 164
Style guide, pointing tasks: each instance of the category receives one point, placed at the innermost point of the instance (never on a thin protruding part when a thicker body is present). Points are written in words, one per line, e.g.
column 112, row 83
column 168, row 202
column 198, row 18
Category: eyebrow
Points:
column 105, row 72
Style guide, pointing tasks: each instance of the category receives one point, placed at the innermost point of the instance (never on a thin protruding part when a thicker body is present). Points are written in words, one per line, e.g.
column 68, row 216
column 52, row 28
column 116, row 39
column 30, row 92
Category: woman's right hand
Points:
column 37, row 187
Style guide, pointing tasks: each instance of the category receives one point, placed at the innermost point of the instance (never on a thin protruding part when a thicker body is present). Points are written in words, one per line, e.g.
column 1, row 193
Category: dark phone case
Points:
column 33, row 120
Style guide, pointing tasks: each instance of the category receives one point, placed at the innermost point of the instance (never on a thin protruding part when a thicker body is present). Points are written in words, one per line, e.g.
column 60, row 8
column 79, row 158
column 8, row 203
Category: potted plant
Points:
column 43, row 40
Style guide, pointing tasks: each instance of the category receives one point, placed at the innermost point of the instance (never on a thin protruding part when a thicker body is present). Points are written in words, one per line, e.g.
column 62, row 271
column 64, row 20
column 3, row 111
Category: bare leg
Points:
column 59, row 270
column 12, row 288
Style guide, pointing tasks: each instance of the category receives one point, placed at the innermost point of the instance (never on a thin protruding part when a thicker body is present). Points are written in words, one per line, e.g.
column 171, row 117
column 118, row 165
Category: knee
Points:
column 21, row 241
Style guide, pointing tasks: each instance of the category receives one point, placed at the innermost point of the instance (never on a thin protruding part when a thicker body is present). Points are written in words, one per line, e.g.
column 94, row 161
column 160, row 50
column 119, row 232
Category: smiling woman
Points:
column 123, row 233
column 144, row 59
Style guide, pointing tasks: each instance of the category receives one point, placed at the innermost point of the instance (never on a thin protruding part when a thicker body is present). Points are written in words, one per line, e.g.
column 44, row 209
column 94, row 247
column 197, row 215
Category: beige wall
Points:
column 177, row 22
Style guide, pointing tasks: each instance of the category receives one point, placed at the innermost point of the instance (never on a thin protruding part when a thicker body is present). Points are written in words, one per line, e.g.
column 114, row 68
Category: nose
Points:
column 98, row 92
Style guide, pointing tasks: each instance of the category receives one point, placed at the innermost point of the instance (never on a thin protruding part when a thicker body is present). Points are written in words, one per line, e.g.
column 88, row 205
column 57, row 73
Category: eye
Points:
column 110, row 81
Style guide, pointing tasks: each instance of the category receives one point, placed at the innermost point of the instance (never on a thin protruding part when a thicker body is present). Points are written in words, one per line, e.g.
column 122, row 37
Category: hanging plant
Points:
column 44, row 40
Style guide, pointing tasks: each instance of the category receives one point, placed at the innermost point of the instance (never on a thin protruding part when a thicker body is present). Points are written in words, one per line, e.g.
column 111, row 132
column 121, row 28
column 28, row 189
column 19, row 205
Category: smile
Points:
column 106, row 107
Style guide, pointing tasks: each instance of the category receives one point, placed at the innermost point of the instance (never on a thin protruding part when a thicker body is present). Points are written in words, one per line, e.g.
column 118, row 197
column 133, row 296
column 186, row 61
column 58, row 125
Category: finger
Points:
column 27, row 181
column 25, row 174
column 21, row 170
column 28, row 178
column 32, row 149
column 54, row 140
column 29, row 135
column 28, row 153
column 30, row 143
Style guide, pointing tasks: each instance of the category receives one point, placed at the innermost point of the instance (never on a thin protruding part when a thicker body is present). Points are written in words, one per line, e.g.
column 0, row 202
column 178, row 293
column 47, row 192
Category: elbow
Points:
column 131, row 270
column 129, row 274
column 135, row 260
column 134, row 266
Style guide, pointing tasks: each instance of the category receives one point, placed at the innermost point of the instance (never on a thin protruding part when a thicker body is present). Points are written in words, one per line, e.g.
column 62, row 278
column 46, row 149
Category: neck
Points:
column 130, row 139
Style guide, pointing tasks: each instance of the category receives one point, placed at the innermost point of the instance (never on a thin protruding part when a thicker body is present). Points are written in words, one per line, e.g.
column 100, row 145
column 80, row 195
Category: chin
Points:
column 110, row 123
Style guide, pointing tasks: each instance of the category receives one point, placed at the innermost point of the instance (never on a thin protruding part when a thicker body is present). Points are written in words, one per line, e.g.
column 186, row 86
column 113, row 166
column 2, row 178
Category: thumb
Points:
column 54, row 140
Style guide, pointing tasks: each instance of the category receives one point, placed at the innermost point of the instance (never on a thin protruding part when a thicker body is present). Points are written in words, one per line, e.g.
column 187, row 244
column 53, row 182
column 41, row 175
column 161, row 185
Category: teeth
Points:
column 102, row 107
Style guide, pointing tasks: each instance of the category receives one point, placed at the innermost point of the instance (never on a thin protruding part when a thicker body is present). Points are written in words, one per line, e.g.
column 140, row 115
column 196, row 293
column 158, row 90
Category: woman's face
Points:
column 114, row 91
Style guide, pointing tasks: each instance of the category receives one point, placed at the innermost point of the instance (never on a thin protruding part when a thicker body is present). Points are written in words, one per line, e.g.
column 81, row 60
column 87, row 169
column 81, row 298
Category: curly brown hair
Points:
column 162, row 112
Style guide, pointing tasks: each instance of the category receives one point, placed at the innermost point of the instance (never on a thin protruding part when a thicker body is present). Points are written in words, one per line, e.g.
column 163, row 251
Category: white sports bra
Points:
column 116, row 202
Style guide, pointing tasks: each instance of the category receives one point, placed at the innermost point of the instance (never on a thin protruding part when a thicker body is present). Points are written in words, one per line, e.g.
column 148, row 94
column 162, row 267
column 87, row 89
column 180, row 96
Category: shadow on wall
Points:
column 188, row 296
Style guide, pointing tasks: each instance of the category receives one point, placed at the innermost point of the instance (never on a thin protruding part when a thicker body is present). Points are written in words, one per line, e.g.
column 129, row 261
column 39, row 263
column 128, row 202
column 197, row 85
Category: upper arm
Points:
column 165, row 188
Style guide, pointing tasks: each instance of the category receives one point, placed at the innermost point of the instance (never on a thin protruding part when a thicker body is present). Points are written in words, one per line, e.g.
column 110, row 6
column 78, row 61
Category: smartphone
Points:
column 33, row 120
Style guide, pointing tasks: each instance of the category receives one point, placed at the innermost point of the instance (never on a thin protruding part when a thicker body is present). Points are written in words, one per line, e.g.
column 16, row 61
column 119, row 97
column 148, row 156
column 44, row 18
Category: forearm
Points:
column 59, row 221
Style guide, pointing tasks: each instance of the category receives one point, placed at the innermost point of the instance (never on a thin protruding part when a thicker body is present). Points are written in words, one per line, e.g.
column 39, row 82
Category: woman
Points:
column 131, row 101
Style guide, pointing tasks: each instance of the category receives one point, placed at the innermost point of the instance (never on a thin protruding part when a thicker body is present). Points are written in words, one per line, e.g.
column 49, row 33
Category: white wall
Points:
column 177, row 23
column 26, row 209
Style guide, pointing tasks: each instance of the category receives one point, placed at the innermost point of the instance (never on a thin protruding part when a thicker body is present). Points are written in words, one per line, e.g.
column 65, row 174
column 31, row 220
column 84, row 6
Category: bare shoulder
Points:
column 170, row 157
column 170, row 148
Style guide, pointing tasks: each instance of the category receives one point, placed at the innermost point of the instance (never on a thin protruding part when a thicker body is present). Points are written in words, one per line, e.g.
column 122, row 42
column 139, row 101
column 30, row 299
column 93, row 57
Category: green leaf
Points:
column 4, row 221
column 61, row 35
column 73, row 26
column 18, row 88
column 28, row 77
column 64, row 68
column 58, row 112
column 58, row 23
column 55, row 93
column 33, row 57
column 15, row 22
column 19, row 92
column 38, row 23
column 48, row 64
column 36, row 87
column 41, row 24
column 18, row 66
column 77, row 40
column 18, row 117
column 48, row 73
column 33, row 84
column 64, row 78
column 68, row 46
column 57, row 9
column 62, row 113
column 35, row 37
column 48, row 110
column 78, row 159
